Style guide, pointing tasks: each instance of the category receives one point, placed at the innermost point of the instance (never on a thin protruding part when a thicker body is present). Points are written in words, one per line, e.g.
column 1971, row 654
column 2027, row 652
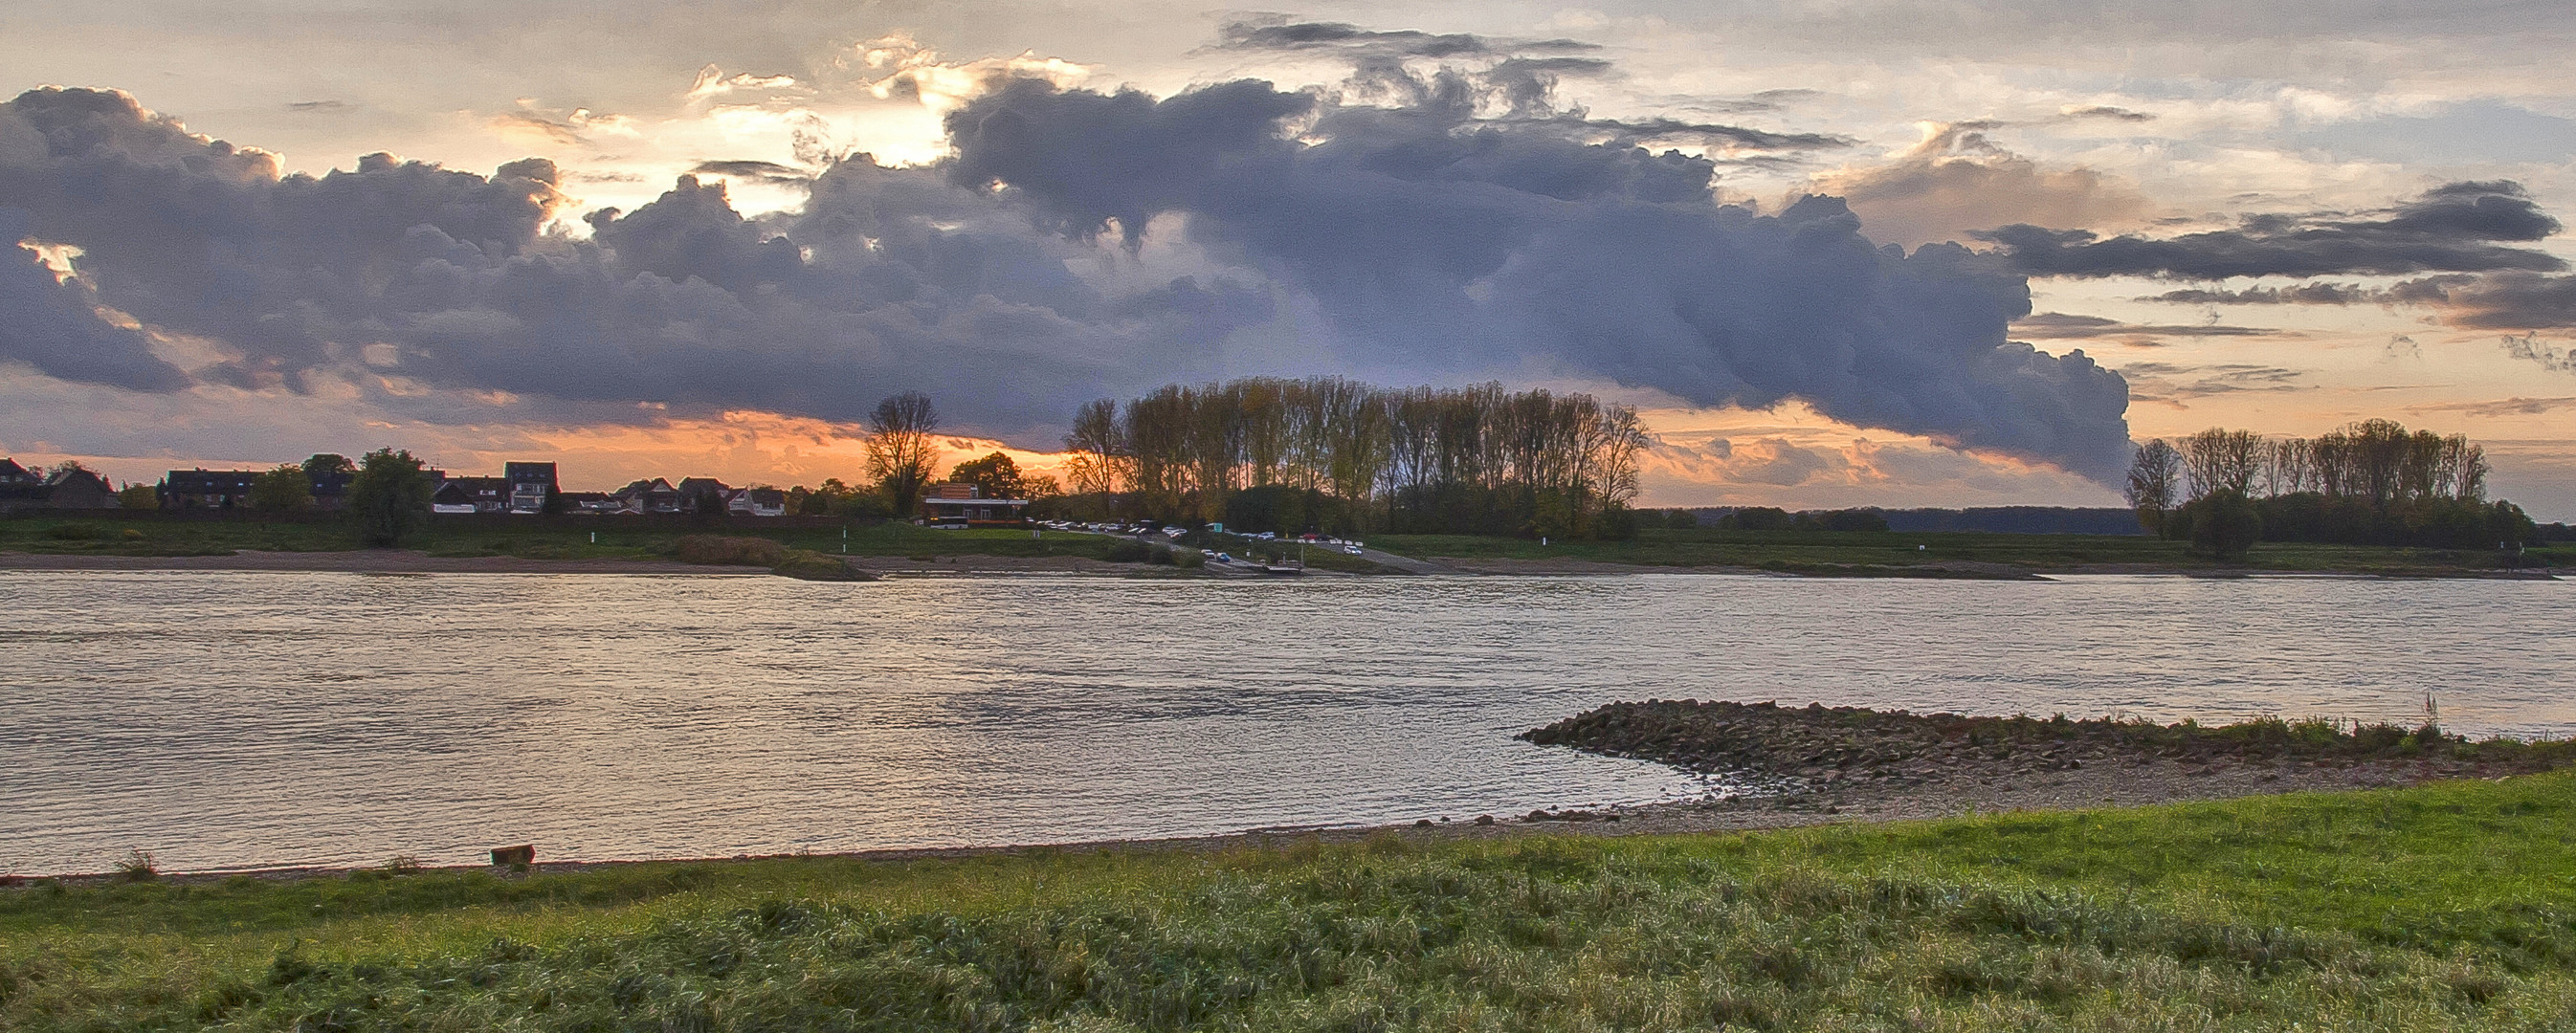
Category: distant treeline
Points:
column 2370, row 483
column 1995, row 519
column 1336, row 455
column 2019, row 520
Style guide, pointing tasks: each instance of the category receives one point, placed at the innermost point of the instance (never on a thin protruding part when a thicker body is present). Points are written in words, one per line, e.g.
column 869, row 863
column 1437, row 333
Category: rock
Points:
column 524, row 853
column 1484, row 819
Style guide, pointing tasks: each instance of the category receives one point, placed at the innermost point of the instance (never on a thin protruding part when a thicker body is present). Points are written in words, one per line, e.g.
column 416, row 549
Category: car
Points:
column 1352, row 549
column 1220, row 557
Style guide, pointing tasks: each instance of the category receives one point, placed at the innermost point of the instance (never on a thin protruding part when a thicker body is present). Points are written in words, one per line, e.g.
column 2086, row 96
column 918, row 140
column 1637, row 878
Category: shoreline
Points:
column 2135, row 783
column 397, row 561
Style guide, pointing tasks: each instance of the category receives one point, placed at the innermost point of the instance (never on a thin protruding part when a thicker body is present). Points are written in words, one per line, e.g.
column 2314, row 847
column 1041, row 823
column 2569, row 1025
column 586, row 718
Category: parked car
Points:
column 1352, row 549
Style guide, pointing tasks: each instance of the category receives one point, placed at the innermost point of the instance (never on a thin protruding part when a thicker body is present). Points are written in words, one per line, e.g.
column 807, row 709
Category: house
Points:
column 759, row 502
column 653, row 496
column 706, row 492
column 331, row 490
column 68, row 488
column 960, row 505
column 590, row 502
column 531, row 485
column 75, row 488
column 202, row 488
column 471, row 495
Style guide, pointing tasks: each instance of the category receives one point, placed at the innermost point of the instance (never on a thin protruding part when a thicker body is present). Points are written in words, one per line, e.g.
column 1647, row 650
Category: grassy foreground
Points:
column 2440, row 908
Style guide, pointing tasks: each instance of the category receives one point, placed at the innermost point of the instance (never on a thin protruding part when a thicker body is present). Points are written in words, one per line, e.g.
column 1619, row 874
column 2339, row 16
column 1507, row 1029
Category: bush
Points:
column 808, row 565
column 71, row 532
column 1130, row 551
column 721, row 551
column 2224, row 525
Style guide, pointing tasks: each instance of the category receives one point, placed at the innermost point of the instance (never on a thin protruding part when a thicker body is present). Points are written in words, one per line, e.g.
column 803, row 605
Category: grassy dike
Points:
column 2445, row 907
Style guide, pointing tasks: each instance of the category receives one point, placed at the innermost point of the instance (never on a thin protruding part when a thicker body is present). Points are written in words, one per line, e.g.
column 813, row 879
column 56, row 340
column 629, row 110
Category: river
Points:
column 244, row 719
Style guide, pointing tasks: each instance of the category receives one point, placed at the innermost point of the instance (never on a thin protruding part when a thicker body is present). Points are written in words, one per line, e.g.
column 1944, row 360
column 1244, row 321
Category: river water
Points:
column 234, row 719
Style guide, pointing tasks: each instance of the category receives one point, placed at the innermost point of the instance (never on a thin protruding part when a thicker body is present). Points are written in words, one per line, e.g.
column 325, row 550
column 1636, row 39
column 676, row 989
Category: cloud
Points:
column 2300, row 294
column 2503, row 301
column 1434, row 241
column 2170, row 383
column 2459, row 227
column 1276, row 33
column 1957, row 182
column 768, row 172
column 1424, row 241
column 888, row 279
column 2105, row 111
column 51, row 323
column 2058, row 326
column 2499, row 407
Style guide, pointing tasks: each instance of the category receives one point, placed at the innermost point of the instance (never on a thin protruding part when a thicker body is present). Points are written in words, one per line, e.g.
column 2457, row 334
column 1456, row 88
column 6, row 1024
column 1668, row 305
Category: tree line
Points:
column 1336, row 455
column 2369, row 483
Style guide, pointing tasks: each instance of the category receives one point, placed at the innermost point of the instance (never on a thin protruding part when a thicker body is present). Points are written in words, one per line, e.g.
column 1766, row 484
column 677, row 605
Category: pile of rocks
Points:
column 1817, row 746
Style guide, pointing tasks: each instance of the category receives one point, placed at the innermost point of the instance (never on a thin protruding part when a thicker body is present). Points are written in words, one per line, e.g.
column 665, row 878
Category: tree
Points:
column 283, row 489
column 139, row 496
column 901, row 455
column 2153, row 476
column 389, row 498
column 995, row 477
column 324, row 464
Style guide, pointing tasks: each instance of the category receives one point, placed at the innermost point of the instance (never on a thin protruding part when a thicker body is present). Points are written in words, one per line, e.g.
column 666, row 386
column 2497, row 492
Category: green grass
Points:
column 2439, row 908
column 1817, row 551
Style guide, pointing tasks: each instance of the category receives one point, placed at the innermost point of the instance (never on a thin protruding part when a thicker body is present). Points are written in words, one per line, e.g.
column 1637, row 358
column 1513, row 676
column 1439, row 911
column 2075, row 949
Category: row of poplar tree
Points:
column 2372, row 482
column 1337, row 455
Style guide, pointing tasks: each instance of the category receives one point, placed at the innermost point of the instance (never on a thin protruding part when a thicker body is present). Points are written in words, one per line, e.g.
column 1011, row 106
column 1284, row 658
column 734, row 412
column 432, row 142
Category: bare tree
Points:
column 2153, row 478
column 902, row 455
column 2222, row 460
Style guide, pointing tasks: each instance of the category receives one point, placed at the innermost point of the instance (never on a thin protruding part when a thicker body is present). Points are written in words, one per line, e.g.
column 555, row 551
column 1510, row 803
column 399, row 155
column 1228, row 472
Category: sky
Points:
column 1838, row 252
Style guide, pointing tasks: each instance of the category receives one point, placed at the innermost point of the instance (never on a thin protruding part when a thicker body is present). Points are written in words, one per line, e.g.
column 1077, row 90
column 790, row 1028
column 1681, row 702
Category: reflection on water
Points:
column 235, row 719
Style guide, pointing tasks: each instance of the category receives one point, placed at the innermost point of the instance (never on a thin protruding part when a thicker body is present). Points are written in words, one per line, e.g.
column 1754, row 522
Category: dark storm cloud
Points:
column 54, row 327
column 1441, row 242
column 2460, row 227
column 1432, row 243
column 894, row 279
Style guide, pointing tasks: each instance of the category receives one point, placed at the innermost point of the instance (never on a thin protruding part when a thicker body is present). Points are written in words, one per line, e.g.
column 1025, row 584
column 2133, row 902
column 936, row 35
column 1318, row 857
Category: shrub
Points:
column 722, row 551
column 2224, row 525
column 137, row 867
column 808, row 565
column 71, row 532
column 1130, row 551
